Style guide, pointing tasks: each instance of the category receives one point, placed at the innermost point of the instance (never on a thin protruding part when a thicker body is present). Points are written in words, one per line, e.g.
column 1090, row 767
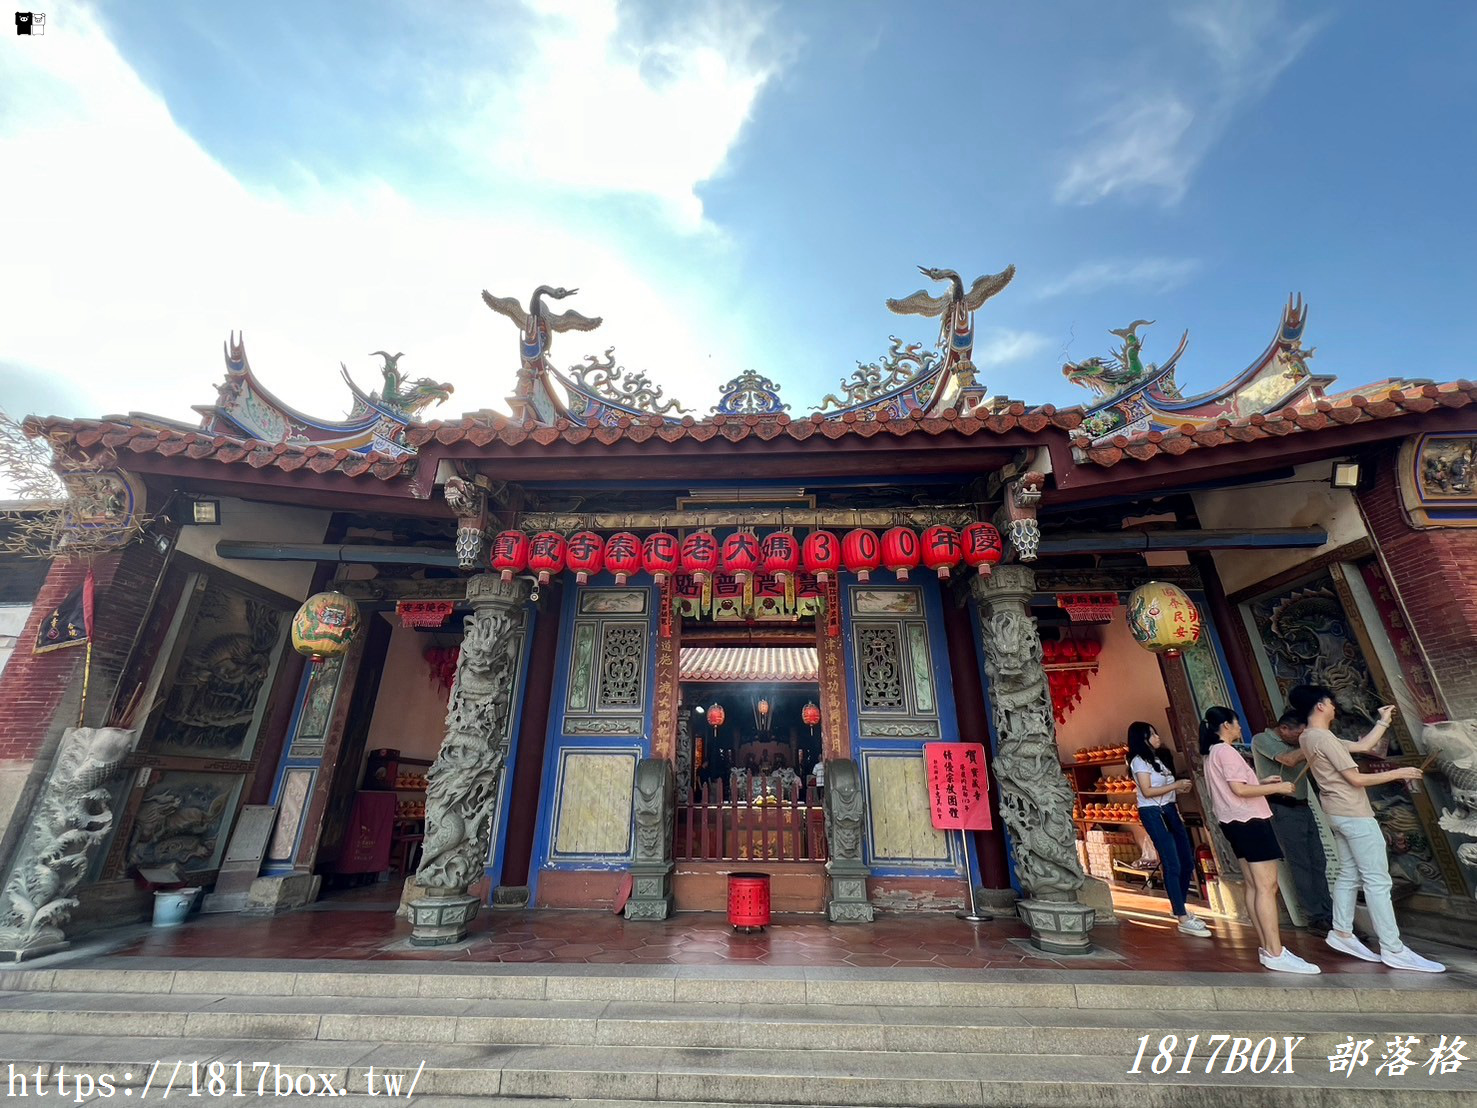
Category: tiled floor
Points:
column 361, row 925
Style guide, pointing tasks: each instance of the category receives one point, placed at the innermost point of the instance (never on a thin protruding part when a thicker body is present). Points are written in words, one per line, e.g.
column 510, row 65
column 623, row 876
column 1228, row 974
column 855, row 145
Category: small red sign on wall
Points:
column 958, row 790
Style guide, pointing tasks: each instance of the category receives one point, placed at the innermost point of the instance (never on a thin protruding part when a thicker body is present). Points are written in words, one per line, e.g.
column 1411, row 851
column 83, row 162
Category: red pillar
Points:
column 969, row 707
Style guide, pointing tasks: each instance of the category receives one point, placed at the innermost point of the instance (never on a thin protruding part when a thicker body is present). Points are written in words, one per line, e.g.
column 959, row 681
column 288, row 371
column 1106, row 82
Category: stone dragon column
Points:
column 1034, row 796
column 465, row 779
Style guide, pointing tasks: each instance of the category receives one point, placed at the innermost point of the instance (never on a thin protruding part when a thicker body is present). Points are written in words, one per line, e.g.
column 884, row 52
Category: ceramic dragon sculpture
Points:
column 403, row 395
column 74, row 815
column 1106, row 376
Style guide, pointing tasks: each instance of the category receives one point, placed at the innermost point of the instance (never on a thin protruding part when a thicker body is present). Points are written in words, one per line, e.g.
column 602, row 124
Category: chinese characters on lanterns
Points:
column 741, row 555
column 660, row 556
column 716, row 716
column 623, row 555
column 700, row 555
column 583, row 554
column 509, row 555
column 941, row 550
column 325, row 625
column 810, row 715
column 981, row 547
column 781, row 555
column 1162, row 618
column 546, row 555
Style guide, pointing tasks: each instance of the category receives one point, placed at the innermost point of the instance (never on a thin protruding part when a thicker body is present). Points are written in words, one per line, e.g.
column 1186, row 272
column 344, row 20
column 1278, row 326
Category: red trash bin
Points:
column 748, row 900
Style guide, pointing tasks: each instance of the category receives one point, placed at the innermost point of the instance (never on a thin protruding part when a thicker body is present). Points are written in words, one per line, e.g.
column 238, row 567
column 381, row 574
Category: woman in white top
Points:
column 1156, row 788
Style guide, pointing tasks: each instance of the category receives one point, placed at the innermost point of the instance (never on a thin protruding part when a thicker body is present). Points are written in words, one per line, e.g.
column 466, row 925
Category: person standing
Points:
column 1245, row 817
column 1363, row 860
column 1156, row 789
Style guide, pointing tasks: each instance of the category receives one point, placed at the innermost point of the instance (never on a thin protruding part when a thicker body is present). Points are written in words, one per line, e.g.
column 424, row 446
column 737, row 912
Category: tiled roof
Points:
column 479, row 431
column 150, row 438
column 788, row 664
column 1320, row 415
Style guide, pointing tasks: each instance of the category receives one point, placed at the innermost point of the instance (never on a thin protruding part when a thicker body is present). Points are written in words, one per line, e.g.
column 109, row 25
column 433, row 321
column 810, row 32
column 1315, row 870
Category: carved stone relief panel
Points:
column 879, row 668
column 622, row 667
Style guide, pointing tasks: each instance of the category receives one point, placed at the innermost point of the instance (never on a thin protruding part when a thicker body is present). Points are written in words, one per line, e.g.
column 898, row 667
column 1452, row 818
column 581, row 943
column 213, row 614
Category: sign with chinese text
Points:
column 958, row 790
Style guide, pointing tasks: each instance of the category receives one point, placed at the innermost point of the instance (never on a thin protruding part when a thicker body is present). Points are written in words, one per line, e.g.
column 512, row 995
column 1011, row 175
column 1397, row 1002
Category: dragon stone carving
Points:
column 73, row 816
column 463, row 782
column 1035, row 799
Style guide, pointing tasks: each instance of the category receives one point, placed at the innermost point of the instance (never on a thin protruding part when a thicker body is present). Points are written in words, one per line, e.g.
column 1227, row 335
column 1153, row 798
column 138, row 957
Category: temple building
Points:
column 601, row 650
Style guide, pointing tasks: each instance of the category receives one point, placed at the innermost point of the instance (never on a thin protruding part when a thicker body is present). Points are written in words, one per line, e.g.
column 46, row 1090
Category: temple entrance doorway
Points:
column 747, row 794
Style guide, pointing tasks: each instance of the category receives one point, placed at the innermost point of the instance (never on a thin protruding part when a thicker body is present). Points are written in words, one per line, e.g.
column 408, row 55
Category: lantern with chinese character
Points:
column 900, row 551
column 821, row 554
column 941, row 549
column 583, row 554
column 1162, row 618
column 741, row 555
column 716, row 716
column 325, row 625
column 810, row 715
column 659, row 556
column 546, row 555
column 981, row 547
column 700, row 555
column 781, row 554
column 623, row 555
column 861, row 552
column 509, row 554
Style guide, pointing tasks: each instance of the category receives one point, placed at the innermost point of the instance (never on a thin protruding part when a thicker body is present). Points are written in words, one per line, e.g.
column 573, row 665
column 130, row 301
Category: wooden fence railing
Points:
column 714, row 827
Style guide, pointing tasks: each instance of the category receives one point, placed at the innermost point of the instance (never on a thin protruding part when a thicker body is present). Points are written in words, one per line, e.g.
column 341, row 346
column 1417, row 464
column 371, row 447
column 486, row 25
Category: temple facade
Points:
column 603, row 651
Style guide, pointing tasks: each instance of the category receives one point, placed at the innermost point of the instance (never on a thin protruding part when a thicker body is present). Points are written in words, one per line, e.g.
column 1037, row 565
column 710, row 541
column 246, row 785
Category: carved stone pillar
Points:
column 845, row 808
column 467, row 775
column 651, row 866
column 1034, row 796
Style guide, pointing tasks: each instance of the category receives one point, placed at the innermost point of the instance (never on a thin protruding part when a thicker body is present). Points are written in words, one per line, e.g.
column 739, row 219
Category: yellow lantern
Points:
column 1162, row 618
column 325, row 625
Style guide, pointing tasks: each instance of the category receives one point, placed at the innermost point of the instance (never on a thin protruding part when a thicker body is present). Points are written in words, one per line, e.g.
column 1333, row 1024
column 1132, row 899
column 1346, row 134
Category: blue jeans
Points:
column 1363, row 862
column 1172, row 841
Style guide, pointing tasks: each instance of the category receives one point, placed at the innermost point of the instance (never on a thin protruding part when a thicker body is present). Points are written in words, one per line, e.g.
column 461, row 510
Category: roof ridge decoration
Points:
column 1136, row 398
column 903, row 365
column 376, row 423
column 750, row 393
column 606, row 391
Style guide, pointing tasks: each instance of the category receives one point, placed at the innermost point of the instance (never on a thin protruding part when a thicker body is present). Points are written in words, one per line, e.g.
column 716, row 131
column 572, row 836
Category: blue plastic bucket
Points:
column 171, row 908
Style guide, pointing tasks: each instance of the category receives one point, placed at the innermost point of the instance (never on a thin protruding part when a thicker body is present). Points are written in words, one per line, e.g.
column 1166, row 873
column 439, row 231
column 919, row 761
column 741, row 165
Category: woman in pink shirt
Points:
column 1241, row 807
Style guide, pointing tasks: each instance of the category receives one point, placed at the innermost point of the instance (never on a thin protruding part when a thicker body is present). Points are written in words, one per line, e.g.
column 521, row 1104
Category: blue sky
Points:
column 731, row 185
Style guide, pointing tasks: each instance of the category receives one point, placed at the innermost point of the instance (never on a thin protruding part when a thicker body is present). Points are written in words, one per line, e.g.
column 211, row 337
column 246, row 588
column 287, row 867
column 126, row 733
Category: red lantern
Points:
column 862, row 552
column 900, row 551
column 810, row 714
column 716, row 716
column 546, row 555
column 982, row 547
column 623, row 555
column 659, row 556
column 941, row 550
column 781, row 554
column 509, row 554
column 821, row 554
column 583, row 554
column 741, row 555
column 700, row 555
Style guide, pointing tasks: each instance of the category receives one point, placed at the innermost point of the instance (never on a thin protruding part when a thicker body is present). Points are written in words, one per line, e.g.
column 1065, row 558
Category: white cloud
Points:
column 1153, row 141
column 139, row 252
column 1155, row 274
column 1000, row 347
column 651, row 111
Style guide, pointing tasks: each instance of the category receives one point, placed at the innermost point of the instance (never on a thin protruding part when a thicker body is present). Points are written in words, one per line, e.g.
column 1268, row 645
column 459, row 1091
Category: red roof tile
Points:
column 1324, row 414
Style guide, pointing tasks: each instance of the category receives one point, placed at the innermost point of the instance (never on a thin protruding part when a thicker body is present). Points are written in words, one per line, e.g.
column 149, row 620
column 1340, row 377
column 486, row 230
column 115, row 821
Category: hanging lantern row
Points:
column 1162, row 618
column 742, row 555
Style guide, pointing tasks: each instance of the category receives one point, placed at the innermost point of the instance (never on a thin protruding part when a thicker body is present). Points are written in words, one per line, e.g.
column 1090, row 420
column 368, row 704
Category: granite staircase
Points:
column 589, row 1038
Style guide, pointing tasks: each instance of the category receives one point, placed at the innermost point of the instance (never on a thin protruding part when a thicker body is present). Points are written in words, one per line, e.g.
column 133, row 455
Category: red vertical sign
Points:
column 958, row 790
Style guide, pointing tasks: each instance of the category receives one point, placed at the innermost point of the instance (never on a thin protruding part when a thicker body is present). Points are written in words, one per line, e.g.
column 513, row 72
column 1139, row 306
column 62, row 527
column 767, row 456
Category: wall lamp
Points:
column 1345, row 475
column 205, row 513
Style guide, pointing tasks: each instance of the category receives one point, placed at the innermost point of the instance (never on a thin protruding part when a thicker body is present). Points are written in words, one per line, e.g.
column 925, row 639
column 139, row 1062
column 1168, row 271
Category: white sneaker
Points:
column 1288, row 962
column 1194, row 926
column 1352, row 946
column 1407, row 959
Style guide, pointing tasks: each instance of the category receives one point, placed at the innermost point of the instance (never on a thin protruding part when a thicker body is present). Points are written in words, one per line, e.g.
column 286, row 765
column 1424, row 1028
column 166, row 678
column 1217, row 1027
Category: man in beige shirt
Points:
column 1363, row 861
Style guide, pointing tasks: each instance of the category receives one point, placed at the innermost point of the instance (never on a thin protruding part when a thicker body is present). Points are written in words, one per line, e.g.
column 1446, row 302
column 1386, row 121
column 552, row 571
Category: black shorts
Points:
column 1253, row 840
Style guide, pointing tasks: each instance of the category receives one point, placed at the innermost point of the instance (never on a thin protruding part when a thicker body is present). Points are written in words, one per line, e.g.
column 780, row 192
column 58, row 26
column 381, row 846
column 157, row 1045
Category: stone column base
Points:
column 651, row 891
column 996, row 902
column 441, row 917
column 281, row 893
column 1058, row 927
column 846, row 899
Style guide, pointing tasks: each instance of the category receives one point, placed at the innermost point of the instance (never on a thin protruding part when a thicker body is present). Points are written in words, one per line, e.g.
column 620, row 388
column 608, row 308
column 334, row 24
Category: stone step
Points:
column 733, row 1026
column 1381, row 991
column 676, row 1075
